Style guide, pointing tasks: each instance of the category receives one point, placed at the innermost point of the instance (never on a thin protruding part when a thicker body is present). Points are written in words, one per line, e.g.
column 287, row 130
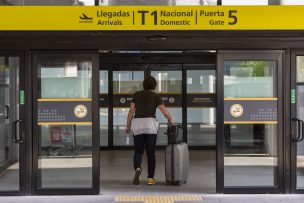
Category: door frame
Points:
column 272, row 55
column 293, row 114
column 24, row 150
column 95, row 189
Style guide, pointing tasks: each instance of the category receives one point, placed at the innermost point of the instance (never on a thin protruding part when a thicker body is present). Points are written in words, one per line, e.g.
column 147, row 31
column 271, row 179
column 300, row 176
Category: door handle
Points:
column 6, row 111
column 300, row 131
column 302, row 134
column 14, row 137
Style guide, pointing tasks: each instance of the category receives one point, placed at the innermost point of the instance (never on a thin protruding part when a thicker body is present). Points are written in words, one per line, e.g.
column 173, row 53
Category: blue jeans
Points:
column 142, row 142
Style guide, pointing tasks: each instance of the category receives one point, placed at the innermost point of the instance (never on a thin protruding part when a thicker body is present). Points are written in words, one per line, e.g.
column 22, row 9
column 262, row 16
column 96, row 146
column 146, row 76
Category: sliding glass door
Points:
column 12, row 125
column 66, row 124
column 250, row 151
column 297, row 122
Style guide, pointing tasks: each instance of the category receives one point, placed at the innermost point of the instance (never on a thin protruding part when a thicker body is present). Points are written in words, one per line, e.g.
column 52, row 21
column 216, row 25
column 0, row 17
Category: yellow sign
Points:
column 104, row 18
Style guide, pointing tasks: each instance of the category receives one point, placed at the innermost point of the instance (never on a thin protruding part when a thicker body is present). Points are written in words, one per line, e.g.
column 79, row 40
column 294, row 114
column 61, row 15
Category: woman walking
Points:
column 145, row 126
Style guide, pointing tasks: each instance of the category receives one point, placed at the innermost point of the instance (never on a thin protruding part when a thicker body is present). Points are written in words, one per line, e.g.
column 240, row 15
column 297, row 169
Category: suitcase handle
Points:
column 179, row 125
column 170, row 125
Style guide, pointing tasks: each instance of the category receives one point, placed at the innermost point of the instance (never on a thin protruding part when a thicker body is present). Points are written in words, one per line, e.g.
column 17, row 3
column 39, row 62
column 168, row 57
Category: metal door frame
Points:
column 273, row 55
column 24, row 151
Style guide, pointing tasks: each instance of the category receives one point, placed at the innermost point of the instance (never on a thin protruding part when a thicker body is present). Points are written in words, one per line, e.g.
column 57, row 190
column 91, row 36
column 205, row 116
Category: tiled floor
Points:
column 116, row 183
column 117, row 174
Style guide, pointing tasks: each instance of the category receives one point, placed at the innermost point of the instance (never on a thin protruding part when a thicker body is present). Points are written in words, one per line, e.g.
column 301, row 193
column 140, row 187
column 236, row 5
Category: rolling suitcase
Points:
column 177, row 164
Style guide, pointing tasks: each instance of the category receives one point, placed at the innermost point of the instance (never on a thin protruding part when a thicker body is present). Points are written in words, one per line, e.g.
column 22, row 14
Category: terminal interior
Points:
column 65, row 151
column 173, row 79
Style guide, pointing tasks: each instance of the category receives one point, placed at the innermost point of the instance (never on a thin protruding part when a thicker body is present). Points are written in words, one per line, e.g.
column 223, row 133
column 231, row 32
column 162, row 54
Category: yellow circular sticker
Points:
column 236, row 110
column 80, row 111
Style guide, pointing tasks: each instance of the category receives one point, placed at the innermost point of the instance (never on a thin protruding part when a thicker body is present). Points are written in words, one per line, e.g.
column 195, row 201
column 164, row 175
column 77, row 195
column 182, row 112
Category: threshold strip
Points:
column 158, row 199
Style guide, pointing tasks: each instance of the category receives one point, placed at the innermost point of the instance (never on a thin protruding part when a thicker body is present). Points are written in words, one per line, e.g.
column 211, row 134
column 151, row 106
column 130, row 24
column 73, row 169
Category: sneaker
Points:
column 151, row 181
column 136, row 176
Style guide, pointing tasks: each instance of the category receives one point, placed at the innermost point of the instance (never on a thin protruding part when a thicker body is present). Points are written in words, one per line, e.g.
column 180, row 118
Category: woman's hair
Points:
column 149, row 83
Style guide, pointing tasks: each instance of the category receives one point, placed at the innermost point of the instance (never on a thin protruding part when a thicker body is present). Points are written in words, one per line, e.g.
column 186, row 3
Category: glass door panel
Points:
column 104, row 106
column 125, row 84
column 297, row 140
column 65, row 146
column 250, row 131
column 169, row 86
column 201, row 103
column 250, row 144
column 300, row 144
column 11, row 125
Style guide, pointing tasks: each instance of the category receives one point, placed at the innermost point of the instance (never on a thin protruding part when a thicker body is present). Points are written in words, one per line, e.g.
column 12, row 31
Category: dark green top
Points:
column 146, row 103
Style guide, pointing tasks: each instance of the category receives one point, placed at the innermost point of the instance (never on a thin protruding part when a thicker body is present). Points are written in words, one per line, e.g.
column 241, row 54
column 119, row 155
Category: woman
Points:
column 145, row 126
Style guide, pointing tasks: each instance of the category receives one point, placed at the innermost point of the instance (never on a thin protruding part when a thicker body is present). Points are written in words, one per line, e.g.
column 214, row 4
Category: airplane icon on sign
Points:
column 85, row 17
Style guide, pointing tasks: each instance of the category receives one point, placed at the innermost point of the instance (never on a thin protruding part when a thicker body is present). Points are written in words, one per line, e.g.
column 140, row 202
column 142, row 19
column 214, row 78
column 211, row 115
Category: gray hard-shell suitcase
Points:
column 177, row 164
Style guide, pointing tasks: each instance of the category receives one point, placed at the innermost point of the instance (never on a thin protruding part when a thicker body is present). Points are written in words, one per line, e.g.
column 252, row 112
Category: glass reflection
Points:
column 65, row 158
column 300, row 68
column 201, row 81
column 104, row 128
column 168, row 82
column 256, row 76
column 104, row 112
column 201, row 126
column 103, row 82
column 74, row 76
column 127, row 82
